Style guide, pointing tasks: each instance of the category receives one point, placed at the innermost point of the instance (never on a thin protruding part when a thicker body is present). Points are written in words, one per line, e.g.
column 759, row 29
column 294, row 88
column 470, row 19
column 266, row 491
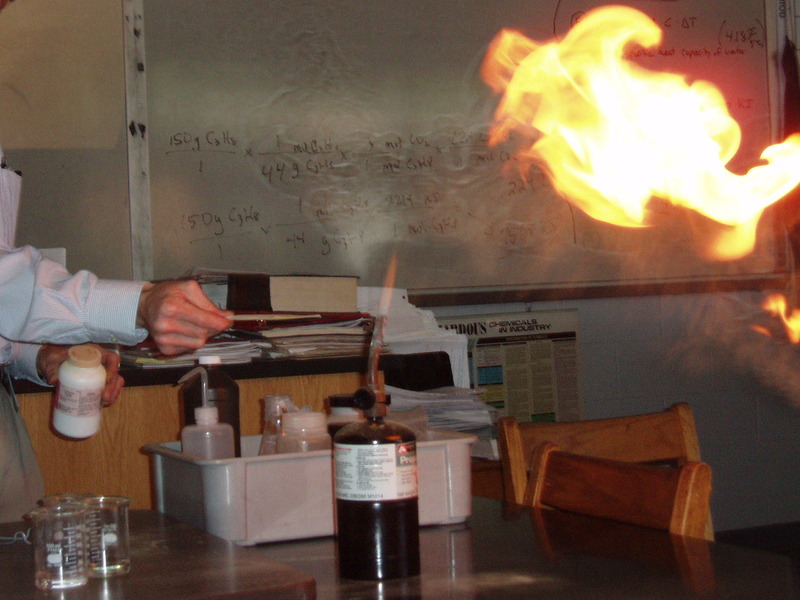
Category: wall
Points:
column 62, row 123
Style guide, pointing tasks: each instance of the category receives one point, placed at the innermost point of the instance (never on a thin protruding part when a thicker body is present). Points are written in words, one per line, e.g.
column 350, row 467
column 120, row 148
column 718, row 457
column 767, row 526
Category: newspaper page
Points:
column 526, row 364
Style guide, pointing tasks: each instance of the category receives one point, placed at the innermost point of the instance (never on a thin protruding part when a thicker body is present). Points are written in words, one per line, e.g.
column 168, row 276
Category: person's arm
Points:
column 43, row 302
column 21, row 361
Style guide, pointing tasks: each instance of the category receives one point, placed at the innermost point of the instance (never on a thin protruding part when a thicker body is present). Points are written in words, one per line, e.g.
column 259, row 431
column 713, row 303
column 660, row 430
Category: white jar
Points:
column 81, row 379
column 303, row 431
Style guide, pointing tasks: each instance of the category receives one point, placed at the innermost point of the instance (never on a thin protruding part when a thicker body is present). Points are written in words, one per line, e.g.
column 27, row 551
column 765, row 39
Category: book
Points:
column 292, row 293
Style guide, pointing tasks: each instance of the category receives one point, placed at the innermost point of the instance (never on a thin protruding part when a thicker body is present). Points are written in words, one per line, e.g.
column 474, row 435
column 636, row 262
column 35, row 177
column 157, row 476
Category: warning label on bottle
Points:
column 373, row 473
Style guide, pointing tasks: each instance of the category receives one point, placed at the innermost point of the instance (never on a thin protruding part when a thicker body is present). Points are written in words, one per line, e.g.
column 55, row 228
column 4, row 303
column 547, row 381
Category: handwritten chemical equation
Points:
column 394, row 154
column 211, row 141
column 408, row 182
column 216, row 223
column 683, row 25
column 684, row 22
column 732, row 39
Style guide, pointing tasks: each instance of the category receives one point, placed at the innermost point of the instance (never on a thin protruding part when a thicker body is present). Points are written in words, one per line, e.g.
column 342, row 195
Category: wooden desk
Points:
column 148, row 411
column 170, row 561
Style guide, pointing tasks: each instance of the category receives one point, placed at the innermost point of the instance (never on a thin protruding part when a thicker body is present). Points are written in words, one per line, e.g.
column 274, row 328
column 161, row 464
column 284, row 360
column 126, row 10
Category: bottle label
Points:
column 378, row 472
column 78, row 403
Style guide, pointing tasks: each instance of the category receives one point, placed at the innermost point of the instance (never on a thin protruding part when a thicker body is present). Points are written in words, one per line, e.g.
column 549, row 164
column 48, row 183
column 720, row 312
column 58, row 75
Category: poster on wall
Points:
column 526, row 364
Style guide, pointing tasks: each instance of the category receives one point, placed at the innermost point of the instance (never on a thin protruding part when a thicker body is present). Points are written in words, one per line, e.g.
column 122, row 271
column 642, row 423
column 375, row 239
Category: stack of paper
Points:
column 327, row 335
column 230, row 350
column 453, row 409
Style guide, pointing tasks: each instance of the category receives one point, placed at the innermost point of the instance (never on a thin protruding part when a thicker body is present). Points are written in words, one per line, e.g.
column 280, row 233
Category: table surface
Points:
column 169, row 561
column 499, row 553
column 507, row 553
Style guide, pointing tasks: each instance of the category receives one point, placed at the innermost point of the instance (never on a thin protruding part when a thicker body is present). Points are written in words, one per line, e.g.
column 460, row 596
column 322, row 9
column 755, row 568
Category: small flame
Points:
column 777, row 306
column 612, row 135
column 376, row 343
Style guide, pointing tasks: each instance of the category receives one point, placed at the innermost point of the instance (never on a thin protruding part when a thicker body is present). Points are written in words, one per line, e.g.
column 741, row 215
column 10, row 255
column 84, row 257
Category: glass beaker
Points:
column 64, row 498
column 108, row 546
column 59, row 545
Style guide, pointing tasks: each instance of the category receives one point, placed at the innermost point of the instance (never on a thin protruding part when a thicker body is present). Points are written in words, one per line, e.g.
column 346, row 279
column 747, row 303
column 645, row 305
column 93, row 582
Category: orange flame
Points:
column 612, row 135
column 379, row 331
column 776, row 305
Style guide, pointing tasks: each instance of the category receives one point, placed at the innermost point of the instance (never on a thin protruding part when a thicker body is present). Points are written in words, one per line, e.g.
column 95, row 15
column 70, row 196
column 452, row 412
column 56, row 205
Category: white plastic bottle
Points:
column 208, row 439
column 81, row 379
column 303, row 431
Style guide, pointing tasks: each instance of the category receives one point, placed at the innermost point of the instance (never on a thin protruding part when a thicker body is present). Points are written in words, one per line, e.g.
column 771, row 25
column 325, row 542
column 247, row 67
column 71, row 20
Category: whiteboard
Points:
column 326, row 137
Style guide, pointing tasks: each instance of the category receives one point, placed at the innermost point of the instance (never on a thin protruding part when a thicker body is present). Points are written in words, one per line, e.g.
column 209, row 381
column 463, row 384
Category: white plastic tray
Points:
column 255, row 499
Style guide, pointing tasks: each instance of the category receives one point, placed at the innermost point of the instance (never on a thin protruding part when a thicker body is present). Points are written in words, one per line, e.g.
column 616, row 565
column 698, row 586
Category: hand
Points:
column 179, row 316
column 50, row 357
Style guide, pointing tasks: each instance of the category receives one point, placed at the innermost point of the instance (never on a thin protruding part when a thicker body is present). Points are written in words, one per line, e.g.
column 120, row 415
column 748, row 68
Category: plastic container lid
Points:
column 304, row 423
column 84, row 356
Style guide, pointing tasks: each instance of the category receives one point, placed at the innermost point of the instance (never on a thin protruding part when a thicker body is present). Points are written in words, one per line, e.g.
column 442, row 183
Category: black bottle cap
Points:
column 364, row 398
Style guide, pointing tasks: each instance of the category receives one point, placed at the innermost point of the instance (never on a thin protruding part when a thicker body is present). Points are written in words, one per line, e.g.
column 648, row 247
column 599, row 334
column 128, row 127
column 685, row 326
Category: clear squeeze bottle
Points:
column 78, row 401
column 208, row 438
column 220, row 391
column 376, row 496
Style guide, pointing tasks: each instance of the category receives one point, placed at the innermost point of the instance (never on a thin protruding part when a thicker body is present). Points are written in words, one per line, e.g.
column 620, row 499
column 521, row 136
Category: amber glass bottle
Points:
column 377, row 511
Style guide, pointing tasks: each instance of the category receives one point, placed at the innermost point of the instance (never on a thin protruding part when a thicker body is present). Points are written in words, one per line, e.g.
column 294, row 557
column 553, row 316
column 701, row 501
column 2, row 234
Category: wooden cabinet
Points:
column 112, row 463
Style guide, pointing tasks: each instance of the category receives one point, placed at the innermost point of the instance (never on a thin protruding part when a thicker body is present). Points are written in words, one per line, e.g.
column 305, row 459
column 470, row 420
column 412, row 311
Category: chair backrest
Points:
column 668, row 436
column 674, row 499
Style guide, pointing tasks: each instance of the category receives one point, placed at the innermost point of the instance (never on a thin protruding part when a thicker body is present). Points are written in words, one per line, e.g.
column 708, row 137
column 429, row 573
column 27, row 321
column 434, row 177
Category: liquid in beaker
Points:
column 59, row 549
column 108, row 549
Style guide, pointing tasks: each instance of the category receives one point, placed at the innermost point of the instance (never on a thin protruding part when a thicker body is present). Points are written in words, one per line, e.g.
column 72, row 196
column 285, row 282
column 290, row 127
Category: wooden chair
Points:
column 665, row 498
column 667, row 437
